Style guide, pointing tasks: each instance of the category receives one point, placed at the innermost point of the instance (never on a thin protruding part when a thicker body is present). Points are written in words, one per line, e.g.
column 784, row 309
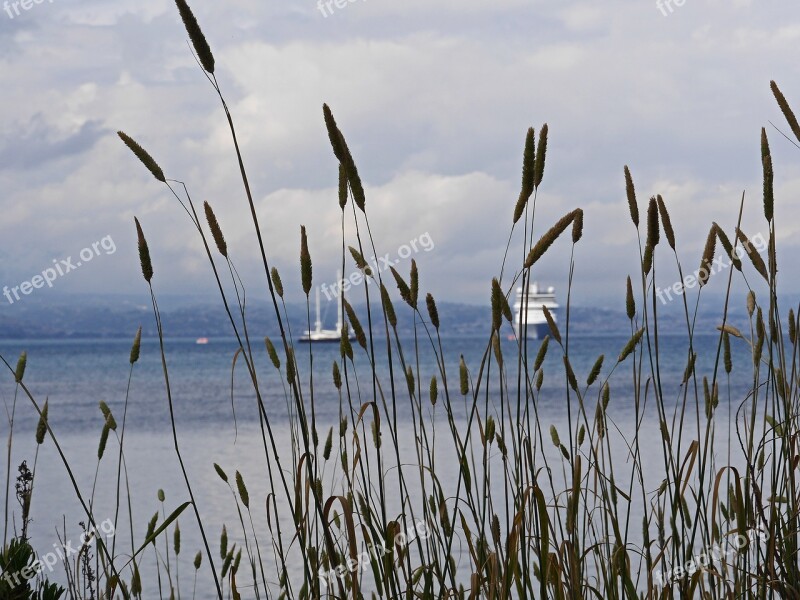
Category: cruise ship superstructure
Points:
column 528, row 315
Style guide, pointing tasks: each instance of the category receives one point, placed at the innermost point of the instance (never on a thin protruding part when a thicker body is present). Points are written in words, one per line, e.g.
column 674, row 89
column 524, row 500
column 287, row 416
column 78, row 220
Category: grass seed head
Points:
column 706, row 263
column 463, row 374
column 666, row 222
column 305, row 261
column 630, row 192
column 577, row 226
column 196, row 36
column 243, row 494
column 144, row 253
column 41, row 428
column 433, row 312
column 337, row 376
column 548, row 238
column 216, row 232
column 22, row 362
column 361, row 337
column 652, row 223
column 537, row 364
column 136, row 347
column 785, row 109
column 528, row 165
column 272, row 353
column 769, row 177
column 277, row 284
column 342, row 186
column 413, row 287
column 402, row 286
column 541, row 153
column 143, row 156
column 388, row 307
column 630, row 302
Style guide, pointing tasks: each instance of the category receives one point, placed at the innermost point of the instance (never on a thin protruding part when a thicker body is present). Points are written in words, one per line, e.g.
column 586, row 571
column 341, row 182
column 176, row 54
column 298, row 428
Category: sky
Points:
column 434, row 98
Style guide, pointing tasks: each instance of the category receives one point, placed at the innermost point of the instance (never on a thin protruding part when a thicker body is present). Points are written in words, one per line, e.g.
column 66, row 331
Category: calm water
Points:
column 75, row 375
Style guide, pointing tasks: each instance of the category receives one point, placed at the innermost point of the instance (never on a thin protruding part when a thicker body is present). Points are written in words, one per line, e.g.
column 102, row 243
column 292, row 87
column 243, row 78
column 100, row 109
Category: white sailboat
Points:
column 528, row 314
column 318, row 334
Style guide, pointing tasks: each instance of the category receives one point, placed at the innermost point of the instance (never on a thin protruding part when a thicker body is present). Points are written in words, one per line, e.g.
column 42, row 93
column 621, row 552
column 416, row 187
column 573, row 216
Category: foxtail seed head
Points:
column 500, row 307
column 337, row 376
column 335, row 137
column 221, row 473
column 666, row 223
column 216, row 232
column 528, row 160
column 548, row 238
column 630, row 191
column 726, row 244
column 707, row 261
column 342, row 186
column 647, row 260
column 433, row 312
column 243, row 494
column 630, row 302
column 277, row 284
column 196, row 36
column 402, row 286
column 144, row 253
column 541, row 152
column 22, row 362
column 136, row 347
column 413, row 288
column 41, row 428
column 752, row 254
column 388, row 307
column 463, row 376
column 361, row 263
column 551, row 322
column 541, row 353
column 626, row 351
column 305, row 261
column 595, row 372
column 361, row 338
column 652, row 223
column 785, row 109
column 272, row 353
column 577, row 226
column 769, row 177
column 143, row 156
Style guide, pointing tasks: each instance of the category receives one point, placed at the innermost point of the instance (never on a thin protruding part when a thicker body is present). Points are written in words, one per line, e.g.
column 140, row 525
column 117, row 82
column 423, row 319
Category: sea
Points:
column 216, row 421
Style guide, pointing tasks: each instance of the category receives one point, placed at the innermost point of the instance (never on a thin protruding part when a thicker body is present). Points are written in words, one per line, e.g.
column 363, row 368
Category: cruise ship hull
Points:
column 535, row 331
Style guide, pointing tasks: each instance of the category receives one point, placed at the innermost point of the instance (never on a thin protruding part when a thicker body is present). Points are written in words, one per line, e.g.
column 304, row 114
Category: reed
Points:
column 468, row 491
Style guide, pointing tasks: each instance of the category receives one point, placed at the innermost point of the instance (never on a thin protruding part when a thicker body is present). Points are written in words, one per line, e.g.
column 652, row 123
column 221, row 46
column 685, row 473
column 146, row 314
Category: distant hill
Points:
column 118, row 317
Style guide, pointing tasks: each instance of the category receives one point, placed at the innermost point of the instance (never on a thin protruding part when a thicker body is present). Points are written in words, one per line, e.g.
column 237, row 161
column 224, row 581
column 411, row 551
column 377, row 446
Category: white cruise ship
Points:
column 528, row 314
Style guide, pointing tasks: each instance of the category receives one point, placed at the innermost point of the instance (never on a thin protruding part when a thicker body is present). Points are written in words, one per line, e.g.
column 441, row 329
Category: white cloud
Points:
column 434, row 99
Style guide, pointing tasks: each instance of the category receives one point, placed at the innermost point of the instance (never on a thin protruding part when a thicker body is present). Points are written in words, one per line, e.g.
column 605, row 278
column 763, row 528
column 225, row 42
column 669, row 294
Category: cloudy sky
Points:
column 434, row 97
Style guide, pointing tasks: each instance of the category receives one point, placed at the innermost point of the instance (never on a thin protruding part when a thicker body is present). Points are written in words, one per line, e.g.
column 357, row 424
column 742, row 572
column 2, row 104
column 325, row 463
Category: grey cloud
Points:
column 37, row 144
